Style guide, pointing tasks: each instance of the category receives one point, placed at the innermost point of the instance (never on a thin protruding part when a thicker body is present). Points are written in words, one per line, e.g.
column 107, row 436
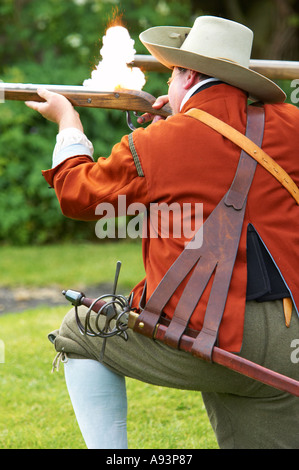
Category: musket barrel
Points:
column 273, row 69
column 276, row 69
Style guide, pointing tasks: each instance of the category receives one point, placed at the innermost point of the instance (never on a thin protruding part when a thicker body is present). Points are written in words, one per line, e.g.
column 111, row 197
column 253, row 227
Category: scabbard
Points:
column 219, row 356
column 239, row 364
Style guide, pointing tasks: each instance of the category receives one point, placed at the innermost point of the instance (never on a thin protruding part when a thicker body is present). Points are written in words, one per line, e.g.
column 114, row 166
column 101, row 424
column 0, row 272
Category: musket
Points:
column 81, row 96
column 130, row 100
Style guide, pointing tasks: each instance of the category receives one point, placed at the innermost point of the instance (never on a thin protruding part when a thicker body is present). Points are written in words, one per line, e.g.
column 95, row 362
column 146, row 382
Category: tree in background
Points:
column 275, row 24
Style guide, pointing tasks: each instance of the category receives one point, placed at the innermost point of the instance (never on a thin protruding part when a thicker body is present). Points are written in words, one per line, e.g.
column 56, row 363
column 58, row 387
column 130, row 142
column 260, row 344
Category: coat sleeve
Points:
column 82, row 184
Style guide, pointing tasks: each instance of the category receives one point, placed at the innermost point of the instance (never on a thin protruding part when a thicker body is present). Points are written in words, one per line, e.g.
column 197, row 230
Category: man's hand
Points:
column 56, row 108
column 158, row 104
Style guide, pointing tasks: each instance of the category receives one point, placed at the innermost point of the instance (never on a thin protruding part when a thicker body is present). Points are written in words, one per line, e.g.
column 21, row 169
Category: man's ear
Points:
column 191, row 78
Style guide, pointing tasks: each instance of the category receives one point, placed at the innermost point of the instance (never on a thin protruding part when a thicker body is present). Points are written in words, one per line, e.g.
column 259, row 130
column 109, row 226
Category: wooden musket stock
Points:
column 125, row 100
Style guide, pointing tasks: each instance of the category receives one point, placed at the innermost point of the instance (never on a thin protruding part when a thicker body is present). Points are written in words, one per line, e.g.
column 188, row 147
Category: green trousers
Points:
column 244, row 413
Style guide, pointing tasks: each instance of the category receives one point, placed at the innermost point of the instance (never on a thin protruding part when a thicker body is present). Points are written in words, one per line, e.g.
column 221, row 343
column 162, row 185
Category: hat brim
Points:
column 259, row 87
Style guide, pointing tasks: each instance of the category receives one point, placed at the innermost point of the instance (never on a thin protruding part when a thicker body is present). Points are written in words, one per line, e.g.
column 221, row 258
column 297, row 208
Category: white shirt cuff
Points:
column 71, row 142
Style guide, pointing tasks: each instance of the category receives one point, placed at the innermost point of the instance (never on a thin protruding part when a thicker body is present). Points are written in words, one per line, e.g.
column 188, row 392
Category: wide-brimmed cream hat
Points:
column 216, row 47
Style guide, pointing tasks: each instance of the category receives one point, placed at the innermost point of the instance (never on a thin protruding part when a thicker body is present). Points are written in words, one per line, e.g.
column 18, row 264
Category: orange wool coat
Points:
column 184, row 161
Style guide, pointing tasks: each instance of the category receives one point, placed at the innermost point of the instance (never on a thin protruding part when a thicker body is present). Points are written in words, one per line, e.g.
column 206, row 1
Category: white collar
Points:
column 196, row 87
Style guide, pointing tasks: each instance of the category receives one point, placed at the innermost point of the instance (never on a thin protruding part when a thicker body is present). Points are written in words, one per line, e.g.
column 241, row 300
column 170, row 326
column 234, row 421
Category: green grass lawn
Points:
column 35, row 410
column 74, row 265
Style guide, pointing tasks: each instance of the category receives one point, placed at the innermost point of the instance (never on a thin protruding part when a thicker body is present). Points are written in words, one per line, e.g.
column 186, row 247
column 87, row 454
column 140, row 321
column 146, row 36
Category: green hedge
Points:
column 59, row 43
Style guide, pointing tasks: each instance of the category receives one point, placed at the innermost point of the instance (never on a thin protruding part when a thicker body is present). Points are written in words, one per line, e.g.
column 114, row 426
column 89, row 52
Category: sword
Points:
column 128, row 317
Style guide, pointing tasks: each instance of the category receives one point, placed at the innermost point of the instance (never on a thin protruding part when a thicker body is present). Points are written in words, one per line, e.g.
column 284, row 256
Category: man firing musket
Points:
column 239, row 290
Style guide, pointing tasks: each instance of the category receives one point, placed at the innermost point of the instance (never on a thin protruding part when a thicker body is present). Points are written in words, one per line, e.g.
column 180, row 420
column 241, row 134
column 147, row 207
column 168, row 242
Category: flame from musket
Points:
column 112, row 72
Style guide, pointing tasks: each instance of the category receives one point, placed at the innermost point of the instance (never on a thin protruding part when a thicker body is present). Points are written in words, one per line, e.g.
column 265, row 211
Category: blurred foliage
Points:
column 59, row 43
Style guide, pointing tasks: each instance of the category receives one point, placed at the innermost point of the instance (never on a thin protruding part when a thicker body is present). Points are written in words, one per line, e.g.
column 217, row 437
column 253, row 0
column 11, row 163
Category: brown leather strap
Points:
column 216, row 257
column 250, row 147
column 222, row 232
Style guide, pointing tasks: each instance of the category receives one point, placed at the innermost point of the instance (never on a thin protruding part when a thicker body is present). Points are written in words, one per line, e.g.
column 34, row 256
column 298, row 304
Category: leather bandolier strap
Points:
column 214, row 257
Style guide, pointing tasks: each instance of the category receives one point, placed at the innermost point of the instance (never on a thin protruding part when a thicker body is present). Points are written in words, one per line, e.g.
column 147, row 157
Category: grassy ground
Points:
column 35, row 410
column 81, row 264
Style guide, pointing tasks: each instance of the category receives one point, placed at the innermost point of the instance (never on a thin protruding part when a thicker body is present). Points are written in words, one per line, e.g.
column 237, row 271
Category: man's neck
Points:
column 196, row 88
